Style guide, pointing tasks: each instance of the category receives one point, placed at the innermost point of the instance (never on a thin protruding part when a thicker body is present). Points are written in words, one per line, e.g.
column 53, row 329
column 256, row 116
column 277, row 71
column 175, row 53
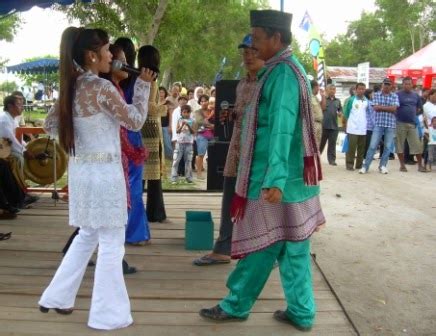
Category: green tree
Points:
column 395, row 30
column 47, row 78
column 304, row 57
column 193, row 36
column 367, row 39
column 8, row 86
column 411, row 22
column 9, row 25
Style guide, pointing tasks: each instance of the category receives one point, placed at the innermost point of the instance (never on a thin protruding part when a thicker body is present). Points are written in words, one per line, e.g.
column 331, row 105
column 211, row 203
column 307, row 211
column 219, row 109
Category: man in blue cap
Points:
column 244, row 91
column 276, row 206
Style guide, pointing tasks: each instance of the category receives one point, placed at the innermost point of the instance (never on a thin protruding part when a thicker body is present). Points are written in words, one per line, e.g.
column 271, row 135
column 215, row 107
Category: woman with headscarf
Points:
column 194, row 101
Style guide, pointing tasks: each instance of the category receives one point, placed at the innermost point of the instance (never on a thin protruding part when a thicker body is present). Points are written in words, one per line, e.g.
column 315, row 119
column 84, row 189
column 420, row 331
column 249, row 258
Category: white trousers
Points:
column 110, row 305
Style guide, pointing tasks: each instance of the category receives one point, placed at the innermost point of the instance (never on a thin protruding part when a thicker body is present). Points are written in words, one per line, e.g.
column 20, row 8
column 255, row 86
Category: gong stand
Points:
column 40, row 156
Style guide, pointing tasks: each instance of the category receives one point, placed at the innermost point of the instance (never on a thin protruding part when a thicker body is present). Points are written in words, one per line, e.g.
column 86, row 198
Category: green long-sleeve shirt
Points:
column 278, row 150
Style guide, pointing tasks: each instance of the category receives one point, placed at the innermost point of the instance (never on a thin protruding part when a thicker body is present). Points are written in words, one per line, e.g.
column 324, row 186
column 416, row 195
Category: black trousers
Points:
column 329, row 137
column 11, row 193
column 155, row 202
column 223, row 244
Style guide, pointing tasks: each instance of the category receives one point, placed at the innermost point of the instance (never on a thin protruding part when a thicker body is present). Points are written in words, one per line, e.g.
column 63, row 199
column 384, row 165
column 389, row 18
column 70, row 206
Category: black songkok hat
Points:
column 271, row 19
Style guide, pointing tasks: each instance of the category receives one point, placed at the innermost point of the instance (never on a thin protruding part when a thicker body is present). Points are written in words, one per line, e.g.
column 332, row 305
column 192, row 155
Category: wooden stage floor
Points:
column 166, row 293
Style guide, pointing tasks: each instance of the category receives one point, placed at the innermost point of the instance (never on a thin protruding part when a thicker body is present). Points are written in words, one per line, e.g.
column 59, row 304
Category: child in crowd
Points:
column 432, row 143
column 184, row 144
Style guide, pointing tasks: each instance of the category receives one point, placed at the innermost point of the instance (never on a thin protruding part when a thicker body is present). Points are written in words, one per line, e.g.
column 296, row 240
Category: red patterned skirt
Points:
column 266, row 223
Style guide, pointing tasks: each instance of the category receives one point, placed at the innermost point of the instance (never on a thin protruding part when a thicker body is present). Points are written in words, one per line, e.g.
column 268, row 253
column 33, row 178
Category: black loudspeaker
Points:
column 225, row 100
column 216, row 159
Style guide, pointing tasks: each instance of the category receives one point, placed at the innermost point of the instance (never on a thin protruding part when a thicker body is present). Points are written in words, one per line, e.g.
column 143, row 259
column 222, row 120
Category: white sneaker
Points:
column 363, row 170
column 383, row 170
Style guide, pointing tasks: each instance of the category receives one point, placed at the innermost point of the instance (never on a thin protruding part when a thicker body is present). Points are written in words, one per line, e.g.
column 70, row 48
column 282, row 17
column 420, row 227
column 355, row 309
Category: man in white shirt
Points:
column 175, row 116
column 355, row 115
column 13, row 107
column 40, row 91
column 430, row 108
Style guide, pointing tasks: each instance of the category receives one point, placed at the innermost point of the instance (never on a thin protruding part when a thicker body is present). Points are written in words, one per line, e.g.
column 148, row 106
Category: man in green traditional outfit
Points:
column 276, row 206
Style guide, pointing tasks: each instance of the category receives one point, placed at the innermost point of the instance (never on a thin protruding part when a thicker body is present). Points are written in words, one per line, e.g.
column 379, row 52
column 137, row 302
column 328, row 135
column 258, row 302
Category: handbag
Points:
column 207, row 134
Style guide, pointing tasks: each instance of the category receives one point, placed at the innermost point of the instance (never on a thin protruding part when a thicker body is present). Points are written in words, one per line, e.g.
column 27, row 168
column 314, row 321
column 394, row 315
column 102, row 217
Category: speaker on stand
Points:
column 219, row 146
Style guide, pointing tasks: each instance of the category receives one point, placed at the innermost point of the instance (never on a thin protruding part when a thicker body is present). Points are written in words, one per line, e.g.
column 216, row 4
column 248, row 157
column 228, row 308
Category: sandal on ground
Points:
column 207, row 260
column 128, row 269
column 422, row 170
column 7, row 215
column 281, row 316
column 5, row 236
column 66, row 311
column 139, row 243
column 403, row 169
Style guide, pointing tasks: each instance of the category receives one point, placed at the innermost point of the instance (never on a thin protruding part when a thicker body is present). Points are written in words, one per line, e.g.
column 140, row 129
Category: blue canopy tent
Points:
column 44, row 65
column 12, row 6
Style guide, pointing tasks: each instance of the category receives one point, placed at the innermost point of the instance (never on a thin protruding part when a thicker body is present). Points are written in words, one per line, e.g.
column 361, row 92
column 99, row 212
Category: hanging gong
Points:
column 40, row 169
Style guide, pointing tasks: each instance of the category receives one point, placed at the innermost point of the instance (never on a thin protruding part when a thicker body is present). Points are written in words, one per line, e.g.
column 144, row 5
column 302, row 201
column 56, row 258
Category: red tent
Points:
column 420, row 65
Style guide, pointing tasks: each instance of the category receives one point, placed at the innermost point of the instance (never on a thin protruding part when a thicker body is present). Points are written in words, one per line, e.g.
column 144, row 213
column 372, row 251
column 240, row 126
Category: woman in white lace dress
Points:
column 87, row 118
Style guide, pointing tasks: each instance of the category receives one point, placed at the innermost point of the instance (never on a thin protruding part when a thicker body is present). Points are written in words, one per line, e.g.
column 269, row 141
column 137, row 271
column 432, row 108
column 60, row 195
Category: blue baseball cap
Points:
column 247, row 42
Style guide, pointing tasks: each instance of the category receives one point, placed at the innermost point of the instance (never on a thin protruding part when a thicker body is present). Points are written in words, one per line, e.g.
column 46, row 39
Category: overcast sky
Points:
column 42, row 28
column 331, row 17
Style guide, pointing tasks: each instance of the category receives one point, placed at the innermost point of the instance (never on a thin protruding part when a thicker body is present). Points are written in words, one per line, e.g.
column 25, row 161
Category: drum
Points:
column 41, row 168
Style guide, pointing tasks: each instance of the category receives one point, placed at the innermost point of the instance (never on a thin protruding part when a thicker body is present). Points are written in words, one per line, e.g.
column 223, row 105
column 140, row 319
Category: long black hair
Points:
column 129, row 49
column 74, row 42
column 149, row 57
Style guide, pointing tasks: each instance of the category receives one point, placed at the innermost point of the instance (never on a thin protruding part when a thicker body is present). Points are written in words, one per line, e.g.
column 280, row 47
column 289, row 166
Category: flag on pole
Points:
column 315, row 47
column 306, row 22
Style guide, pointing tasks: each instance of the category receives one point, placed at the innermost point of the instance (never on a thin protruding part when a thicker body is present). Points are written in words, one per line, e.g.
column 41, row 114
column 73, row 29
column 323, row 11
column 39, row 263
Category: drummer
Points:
column 12, row 109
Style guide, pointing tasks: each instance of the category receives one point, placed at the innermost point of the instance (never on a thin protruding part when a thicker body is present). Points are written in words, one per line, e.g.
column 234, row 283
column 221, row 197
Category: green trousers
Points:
column 356, row 150
column 251, row 273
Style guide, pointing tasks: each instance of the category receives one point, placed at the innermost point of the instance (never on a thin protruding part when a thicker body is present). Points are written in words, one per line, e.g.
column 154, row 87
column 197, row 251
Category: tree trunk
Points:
column 166, row 78
column 422, row 37
column 157, row 18
column 412, row 38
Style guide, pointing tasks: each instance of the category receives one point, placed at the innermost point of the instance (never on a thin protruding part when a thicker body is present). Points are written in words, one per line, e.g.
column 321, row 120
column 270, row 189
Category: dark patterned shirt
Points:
column 244, row 91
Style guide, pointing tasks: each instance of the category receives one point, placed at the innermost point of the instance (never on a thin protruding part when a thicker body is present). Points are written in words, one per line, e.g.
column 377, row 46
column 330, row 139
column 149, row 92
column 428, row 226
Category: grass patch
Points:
column 35, row 115
column 181, row 185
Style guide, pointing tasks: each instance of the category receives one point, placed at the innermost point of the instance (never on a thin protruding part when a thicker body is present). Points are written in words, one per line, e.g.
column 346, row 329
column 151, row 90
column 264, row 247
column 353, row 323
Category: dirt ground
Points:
column 378, row 250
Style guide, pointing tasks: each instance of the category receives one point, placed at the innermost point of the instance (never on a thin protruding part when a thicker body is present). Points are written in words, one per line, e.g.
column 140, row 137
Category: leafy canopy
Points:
column 395, row 30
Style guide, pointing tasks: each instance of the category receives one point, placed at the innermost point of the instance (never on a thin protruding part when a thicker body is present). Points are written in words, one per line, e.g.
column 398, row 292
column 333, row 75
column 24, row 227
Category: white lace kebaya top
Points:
column 96, row 184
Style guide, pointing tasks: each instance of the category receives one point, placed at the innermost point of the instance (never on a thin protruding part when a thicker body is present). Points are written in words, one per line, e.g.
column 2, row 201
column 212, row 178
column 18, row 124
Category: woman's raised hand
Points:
column 147, row 75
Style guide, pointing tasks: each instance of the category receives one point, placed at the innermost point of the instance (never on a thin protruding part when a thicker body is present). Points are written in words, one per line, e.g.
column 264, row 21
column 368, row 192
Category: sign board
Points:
column 363, row 73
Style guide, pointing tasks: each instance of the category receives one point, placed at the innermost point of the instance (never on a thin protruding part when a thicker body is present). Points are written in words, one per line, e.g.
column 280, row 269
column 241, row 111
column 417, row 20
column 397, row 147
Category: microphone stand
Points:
column 54, row 195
